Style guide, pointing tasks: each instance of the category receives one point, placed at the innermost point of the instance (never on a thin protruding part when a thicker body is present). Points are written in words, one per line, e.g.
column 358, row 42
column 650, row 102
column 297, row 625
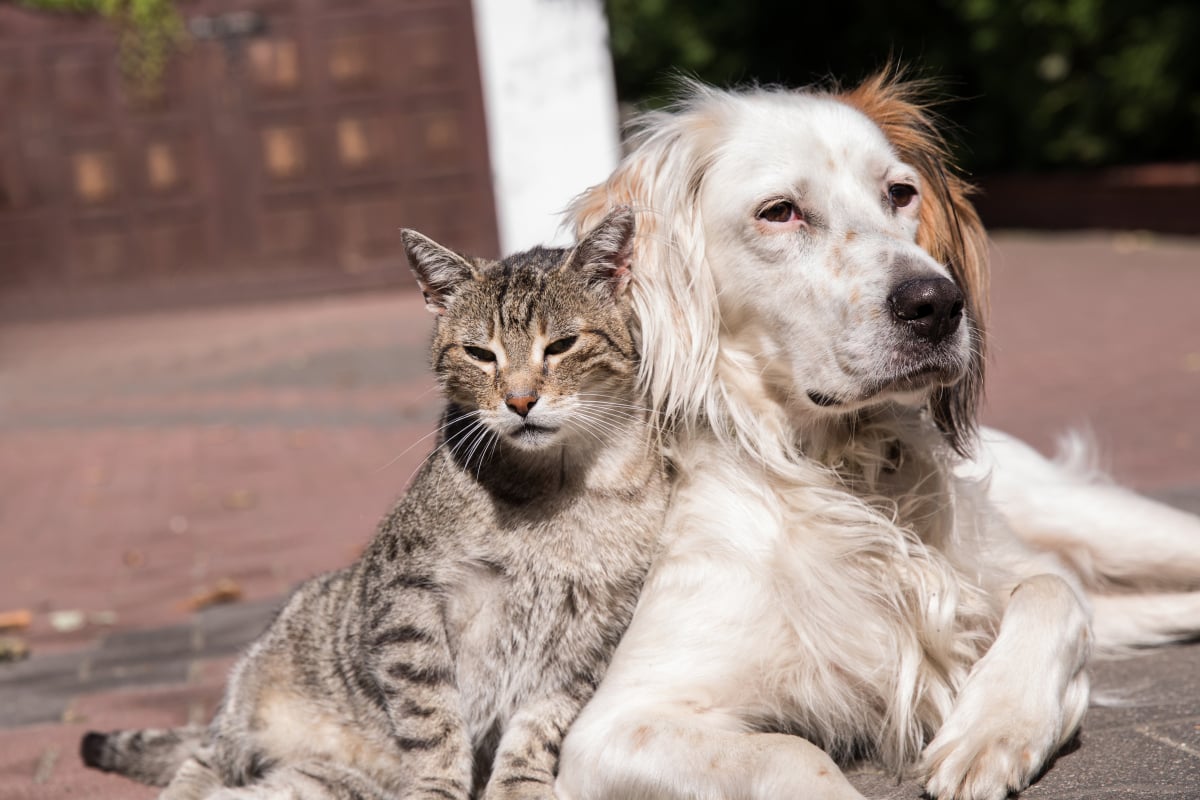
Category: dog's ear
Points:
column 674, row 297
column 949, row 230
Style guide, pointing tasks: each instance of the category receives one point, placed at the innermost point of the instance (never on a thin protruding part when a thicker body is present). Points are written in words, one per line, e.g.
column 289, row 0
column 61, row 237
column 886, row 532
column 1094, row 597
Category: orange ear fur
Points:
column 950, row 229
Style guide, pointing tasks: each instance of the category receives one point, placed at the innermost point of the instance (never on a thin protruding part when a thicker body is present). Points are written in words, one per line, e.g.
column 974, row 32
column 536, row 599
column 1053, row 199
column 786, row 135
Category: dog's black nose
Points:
column 930, row 307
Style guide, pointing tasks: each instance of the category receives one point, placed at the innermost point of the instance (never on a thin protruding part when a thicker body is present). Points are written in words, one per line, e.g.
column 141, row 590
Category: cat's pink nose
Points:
column 521, row 403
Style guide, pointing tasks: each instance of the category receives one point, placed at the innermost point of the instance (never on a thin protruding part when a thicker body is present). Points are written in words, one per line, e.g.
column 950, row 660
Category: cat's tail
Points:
column 151, row 756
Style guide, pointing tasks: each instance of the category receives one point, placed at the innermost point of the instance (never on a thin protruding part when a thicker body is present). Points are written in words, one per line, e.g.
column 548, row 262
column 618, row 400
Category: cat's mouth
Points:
column 533, row 434
column 530, row 427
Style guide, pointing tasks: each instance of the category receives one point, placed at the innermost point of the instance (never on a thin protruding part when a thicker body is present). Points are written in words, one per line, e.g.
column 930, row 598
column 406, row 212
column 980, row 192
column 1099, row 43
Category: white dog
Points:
column 837, row 582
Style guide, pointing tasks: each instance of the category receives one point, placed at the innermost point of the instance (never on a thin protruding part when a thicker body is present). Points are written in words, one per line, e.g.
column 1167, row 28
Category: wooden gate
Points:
column 292, row 139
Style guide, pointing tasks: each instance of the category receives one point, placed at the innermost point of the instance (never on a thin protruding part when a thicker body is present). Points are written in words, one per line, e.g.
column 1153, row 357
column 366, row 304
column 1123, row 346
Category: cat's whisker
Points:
column 582, row 424
column 608, row 402
column 616, row 418
column 449, row 442
column 615, row 400
column 433, row 432
column 468, row 442
column 598, row 424
column 611, row 416
column 492, row 450
column 483, row 444
column 608, row 408
column 478, row 445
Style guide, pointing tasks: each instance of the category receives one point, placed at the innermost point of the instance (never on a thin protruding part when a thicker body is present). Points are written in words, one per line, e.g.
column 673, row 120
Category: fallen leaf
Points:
column 225, row 590
column 240, row 499
column 13, row 649
column 20, row 618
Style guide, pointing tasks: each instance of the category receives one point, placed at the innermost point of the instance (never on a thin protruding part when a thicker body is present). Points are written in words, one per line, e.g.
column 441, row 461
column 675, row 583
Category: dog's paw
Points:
column 998, row 739
column 989, row 766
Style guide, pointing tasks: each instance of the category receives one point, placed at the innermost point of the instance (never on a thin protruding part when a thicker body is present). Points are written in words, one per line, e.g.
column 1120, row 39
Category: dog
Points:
column 851, row 569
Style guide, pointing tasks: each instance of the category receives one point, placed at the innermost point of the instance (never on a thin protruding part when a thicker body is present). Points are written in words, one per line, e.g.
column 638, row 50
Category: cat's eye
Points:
column 560, row 346
column 479, row 353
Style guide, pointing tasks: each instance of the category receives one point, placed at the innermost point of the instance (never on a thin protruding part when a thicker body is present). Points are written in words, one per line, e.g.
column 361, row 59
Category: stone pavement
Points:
column 150, row 463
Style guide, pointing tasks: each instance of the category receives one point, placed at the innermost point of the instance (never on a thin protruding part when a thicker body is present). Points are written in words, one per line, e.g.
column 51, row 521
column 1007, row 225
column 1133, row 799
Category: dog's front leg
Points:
column 1023, row 700
column 672, row 752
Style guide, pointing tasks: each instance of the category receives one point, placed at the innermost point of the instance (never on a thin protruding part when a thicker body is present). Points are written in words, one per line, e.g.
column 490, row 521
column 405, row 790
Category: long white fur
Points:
column 835, row 582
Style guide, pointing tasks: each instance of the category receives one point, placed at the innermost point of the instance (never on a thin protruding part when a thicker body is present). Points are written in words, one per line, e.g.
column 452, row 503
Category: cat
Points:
column 450, row 659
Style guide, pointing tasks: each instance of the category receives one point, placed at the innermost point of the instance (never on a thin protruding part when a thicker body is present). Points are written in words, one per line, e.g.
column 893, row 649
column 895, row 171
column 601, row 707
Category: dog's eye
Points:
column 479, row 354
column 901, row 194
column 779, row 211
column 560, row 346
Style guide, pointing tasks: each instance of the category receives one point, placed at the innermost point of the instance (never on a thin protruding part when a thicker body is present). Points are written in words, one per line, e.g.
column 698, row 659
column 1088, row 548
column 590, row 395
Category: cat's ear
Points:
column 439, row 270
column 606, row 252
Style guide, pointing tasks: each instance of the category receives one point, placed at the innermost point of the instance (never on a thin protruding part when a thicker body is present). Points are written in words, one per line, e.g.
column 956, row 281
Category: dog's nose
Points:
column 521, row 403
column 930, row 307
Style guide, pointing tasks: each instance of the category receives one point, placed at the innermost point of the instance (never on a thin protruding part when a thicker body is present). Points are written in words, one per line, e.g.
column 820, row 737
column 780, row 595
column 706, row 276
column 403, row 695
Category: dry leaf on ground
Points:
column 12, row 649
column 12, row 620
column 225, row 590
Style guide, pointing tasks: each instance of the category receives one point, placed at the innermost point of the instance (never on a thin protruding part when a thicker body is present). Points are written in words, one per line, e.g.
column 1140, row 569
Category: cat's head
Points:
column 537, row 346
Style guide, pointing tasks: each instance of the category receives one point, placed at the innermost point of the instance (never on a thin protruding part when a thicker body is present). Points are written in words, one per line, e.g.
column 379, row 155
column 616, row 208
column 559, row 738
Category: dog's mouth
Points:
column 913, row 380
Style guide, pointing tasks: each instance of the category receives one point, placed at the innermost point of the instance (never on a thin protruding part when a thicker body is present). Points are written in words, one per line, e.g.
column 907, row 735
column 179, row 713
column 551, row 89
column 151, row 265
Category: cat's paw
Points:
column 526, row 790
column 251, row 793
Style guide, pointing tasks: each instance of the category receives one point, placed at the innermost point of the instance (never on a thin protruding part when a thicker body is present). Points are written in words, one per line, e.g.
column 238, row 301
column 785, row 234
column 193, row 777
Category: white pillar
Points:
column 551, row 110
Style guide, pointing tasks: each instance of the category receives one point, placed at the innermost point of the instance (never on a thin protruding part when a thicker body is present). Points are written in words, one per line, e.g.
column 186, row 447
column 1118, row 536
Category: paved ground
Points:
column 147, row 461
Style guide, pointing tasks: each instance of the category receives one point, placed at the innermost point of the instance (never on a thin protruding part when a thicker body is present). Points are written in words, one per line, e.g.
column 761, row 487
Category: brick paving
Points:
column 147, row 459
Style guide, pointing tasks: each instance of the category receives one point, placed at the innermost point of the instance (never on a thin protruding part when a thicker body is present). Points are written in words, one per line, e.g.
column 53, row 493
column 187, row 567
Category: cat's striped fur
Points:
column 449, row 660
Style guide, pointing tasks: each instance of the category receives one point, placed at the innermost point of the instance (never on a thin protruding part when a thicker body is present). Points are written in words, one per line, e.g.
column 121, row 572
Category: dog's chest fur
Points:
column 872, row 627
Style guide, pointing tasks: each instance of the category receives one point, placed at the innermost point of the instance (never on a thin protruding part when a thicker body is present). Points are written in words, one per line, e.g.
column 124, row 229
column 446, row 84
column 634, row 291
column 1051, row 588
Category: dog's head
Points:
column 819, row 239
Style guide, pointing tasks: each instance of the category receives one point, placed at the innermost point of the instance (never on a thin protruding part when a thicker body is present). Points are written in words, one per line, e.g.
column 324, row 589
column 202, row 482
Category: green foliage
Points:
column 1044, row 83
column 150, row 30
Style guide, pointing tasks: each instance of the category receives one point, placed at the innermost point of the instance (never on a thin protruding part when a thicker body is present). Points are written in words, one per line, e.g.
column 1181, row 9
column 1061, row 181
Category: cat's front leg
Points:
column 527, row 759
column 413, row 669
column 195, row 779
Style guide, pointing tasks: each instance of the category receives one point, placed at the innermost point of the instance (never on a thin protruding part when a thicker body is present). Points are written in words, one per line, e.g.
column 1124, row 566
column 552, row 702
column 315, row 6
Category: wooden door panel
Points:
column 304, row 147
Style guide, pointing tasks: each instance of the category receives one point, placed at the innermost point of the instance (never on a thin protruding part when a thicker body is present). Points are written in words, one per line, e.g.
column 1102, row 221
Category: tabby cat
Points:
column 450, row 659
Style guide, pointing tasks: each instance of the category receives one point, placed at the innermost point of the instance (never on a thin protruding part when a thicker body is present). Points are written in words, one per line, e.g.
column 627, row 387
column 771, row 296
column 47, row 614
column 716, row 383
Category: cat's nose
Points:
column 521, row 403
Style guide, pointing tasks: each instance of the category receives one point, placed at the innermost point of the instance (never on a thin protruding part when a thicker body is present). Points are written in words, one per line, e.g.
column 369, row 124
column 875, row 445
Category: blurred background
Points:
column 161, row 151
column 213, row 375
